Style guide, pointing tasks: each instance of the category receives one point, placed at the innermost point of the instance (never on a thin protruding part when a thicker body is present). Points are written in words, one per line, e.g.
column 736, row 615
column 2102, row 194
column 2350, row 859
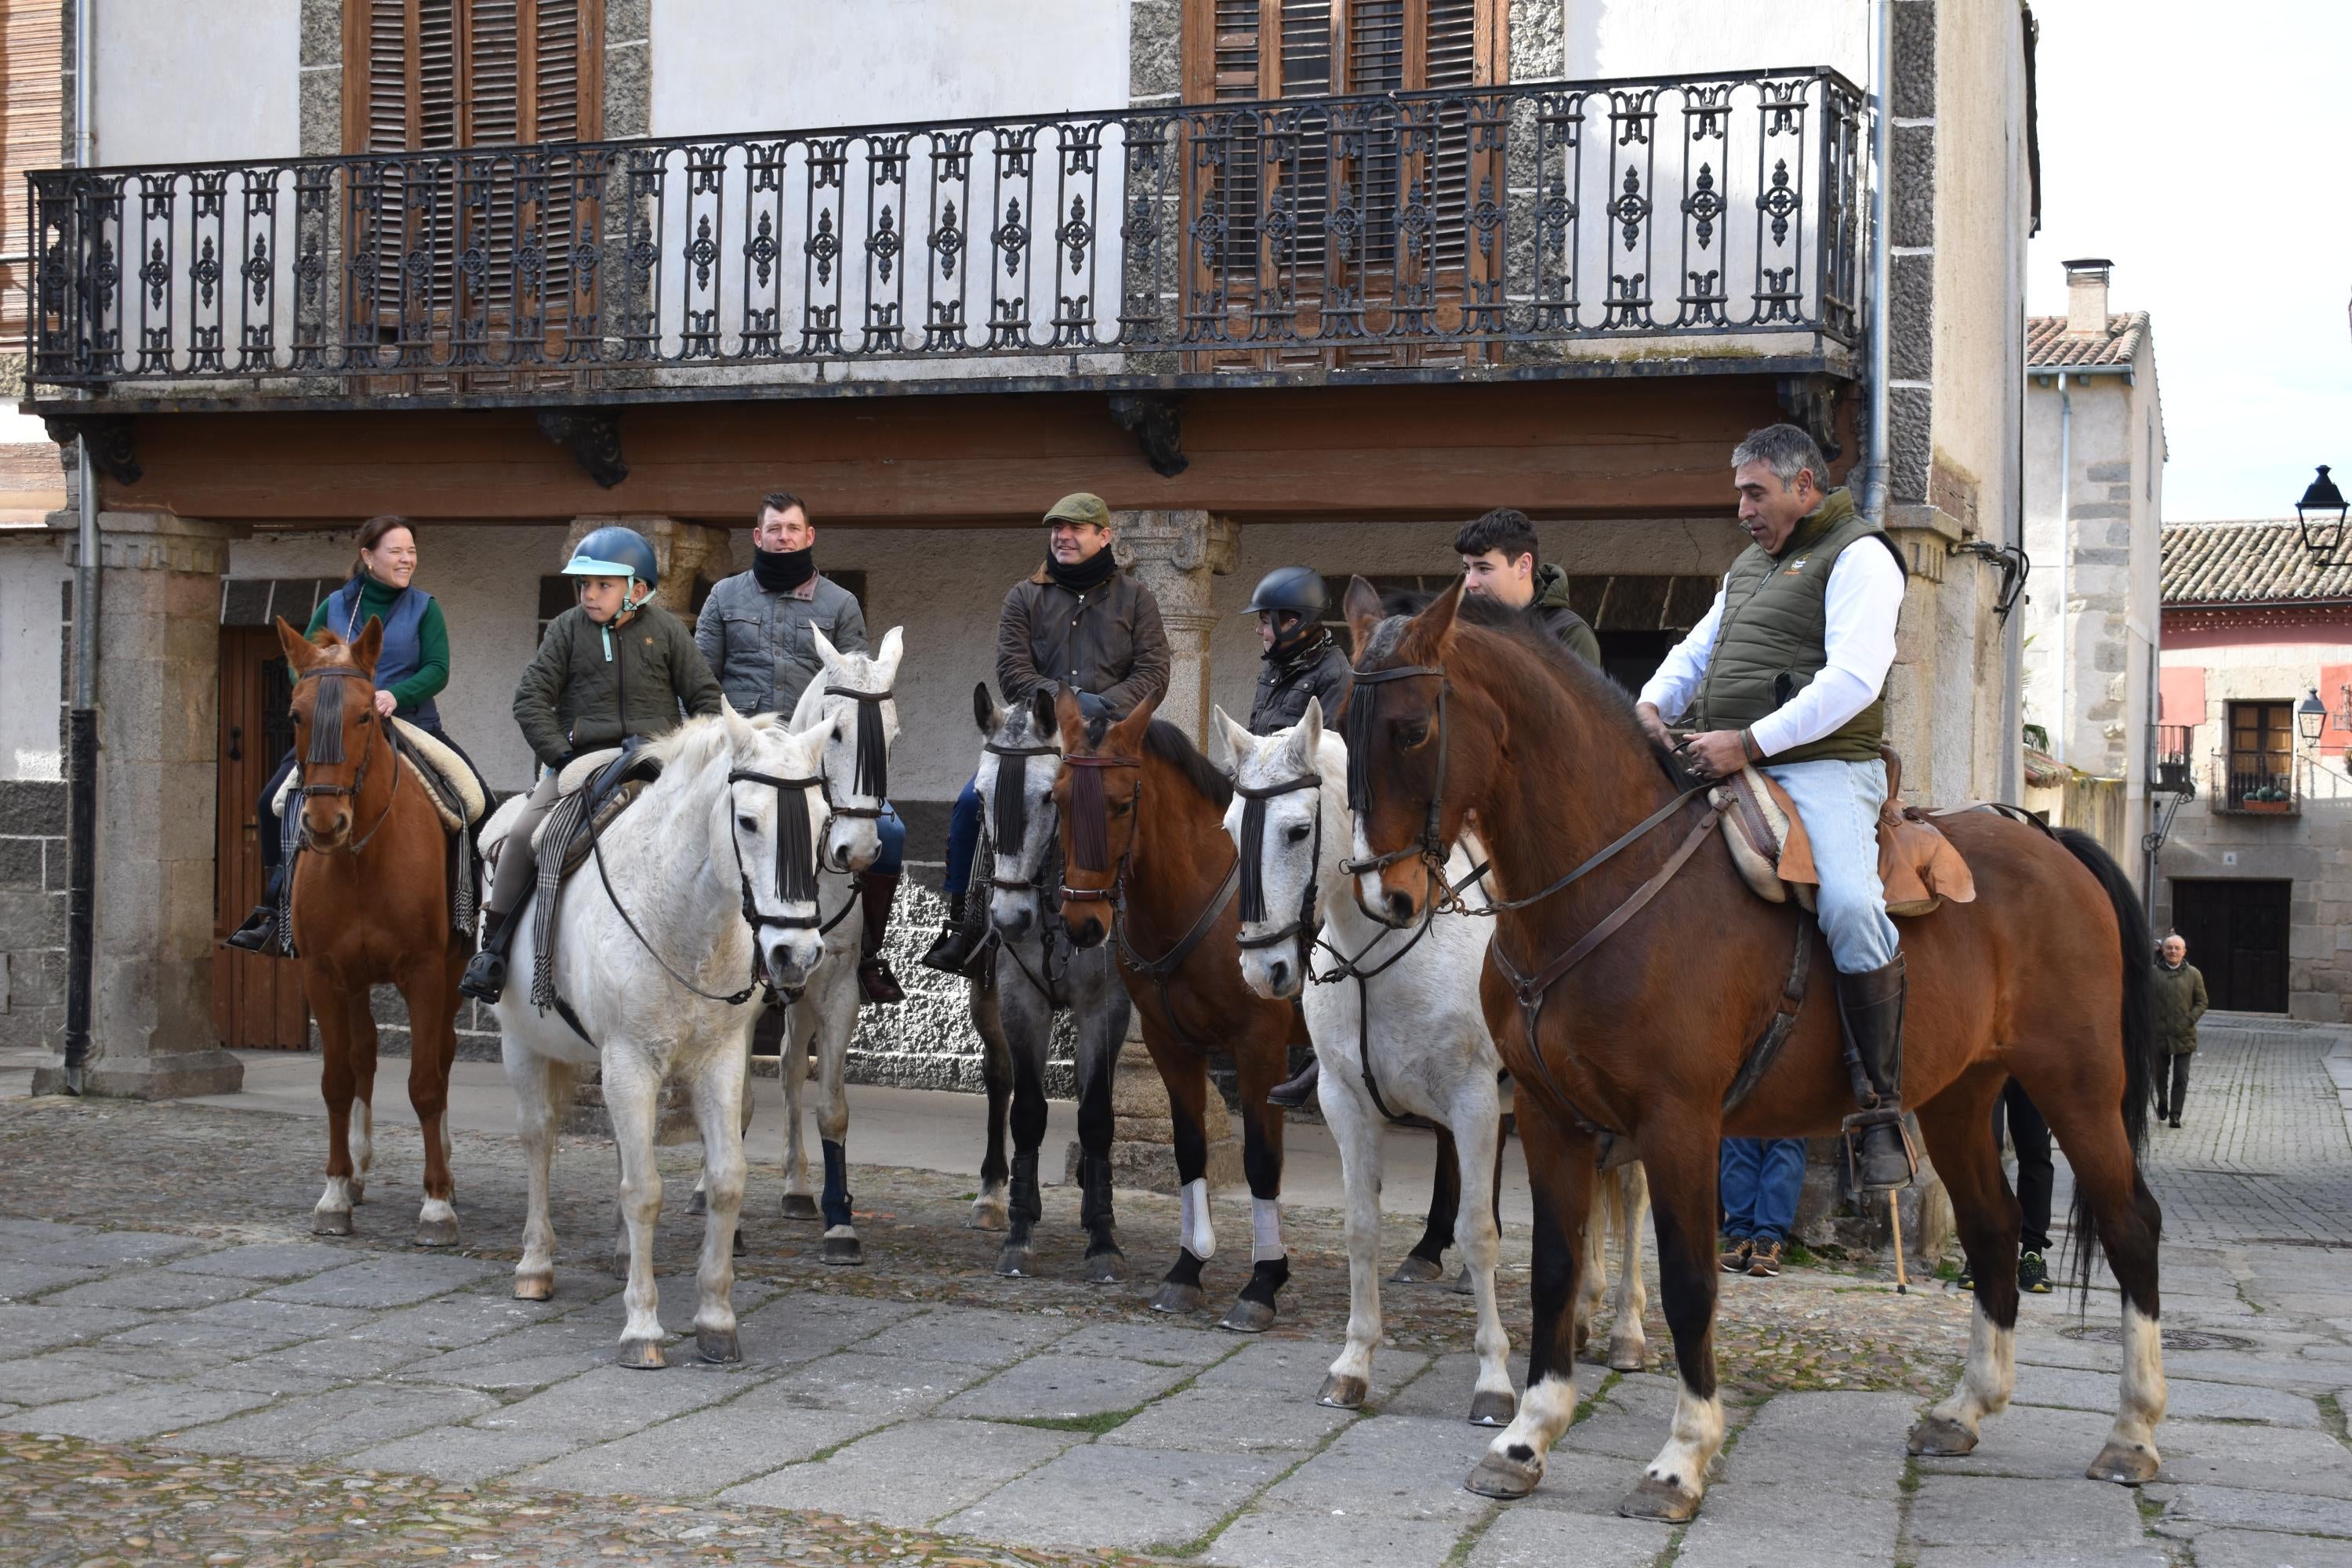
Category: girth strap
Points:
column 1766, row 1047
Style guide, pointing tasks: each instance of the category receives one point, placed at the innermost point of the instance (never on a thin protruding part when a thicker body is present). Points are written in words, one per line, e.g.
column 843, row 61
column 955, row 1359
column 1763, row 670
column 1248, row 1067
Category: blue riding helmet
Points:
column 614, row 552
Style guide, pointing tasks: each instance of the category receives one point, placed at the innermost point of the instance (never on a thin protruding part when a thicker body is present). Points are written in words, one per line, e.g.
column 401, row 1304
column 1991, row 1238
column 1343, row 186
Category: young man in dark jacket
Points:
column 614, row 669
column 1499, row 561
column 1079, row 622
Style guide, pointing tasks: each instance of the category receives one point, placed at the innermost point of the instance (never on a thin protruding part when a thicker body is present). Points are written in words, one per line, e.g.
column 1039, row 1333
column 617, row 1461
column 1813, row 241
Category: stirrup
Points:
column 485, row 979
column 257, row 934
column 954, row 950
column 1857, row 1129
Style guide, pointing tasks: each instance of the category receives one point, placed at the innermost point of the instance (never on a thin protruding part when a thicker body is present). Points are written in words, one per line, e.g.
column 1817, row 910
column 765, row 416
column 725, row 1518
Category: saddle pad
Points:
column 466, row 790
column 444, row 807
column 1767, row 839
column 576, row 851
column 580, row 769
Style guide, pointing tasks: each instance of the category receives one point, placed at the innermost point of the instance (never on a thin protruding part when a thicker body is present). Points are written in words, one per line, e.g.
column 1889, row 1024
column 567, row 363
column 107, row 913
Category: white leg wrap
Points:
column 1265, row 1230
column 1199, row 1237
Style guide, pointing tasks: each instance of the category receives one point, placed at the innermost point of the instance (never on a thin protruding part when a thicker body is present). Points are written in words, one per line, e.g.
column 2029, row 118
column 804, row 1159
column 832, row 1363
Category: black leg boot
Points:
column 1299, row 1090
column 486, row 972
column 875, row 892
column 259, row 931
column 959, row 935
column 1870, row 1007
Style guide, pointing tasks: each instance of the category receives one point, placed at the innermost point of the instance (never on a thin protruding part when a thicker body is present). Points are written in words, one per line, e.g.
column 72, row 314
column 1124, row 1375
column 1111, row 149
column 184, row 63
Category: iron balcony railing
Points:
column 2255, row 784
column 1493, row 226
column 2172, row 759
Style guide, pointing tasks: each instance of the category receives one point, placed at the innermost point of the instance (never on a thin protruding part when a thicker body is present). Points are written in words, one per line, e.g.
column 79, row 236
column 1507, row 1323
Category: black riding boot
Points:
column 1299, row 1090
column 486, row 972
column 259, row 931
column 1870, row 1007
column 959, row 937
column 874, row 891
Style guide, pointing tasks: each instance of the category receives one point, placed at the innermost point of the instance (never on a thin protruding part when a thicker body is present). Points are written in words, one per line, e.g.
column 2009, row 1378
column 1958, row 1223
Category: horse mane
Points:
column 1173, row 746
column 689, row 747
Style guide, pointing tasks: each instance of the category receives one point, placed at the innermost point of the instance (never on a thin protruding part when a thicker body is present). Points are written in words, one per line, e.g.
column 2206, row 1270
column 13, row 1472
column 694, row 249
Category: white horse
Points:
column 712, row 869
column 1411, row 1036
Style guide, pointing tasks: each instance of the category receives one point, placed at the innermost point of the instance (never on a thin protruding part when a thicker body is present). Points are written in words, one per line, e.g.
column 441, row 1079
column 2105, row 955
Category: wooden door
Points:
column 2237, row 936
column 256, row 1000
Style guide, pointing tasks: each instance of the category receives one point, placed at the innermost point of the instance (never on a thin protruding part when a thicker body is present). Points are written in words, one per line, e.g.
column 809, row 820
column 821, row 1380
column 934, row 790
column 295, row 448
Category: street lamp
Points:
column 2322, row 497
column 2310, row 716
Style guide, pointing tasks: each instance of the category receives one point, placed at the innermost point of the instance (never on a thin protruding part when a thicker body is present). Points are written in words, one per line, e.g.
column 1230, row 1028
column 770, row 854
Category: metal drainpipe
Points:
column 81, row 801
column 2065, row 552
column 1882, row 152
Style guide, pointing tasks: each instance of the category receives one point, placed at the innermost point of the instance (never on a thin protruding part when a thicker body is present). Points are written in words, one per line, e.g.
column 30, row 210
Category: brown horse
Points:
column 371, row 906
column 1145, row 854
column 1643, row 1030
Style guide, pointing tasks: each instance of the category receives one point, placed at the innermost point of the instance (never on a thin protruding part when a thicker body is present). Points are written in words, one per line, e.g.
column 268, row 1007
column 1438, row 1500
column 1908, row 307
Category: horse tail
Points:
column 2138, row 1035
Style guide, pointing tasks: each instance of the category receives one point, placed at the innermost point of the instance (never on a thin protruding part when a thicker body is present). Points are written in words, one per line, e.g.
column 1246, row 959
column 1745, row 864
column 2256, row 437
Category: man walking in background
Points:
column 2180, row 1002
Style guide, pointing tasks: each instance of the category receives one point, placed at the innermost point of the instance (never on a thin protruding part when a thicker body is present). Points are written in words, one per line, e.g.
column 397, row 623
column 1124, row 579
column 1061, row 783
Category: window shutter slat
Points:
column 388, row 130
column 493, row 94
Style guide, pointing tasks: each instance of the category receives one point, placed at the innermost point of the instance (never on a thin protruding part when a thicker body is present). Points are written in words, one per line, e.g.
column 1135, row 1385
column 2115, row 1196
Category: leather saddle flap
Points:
column 1920, row 868
column 1767, row 840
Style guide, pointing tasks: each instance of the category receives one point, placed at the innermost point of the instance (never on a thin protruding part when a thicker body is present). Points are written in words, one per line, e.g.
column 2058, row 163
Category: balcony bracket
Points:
column 1158, row 425
column 594, row 437
column 1810, row 403
column 109, row 437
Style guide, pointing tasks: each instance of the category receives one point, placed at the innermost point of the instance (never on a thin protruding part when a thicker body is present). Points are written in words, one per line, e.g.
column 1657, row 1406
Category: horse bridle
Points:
column 1020, row 775
column 1431, row 847
column 1047, row 902
column 1301, row 930
column 327, row 746
column 1089, row 815
column 872, row 778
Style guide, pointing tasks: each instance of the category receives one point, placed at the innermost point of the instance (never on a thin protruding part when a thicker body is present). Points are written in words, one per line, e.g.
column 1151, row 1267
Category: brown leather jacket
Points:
column 1107, row 642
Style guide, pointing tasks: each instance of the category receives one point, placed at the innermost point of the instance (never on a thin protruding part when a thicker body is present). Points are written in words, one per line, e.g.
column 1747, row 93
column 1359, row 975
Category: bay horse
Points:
column 1146, row 860
column 1631, row 969
column 1036, row 972
column 369, row 907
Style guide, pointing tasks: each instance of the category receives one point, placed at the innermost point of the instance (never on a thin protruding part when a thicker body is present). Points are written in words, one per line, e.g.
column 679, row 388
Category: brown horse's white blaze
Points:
column 2044, row 978
column 369, row 907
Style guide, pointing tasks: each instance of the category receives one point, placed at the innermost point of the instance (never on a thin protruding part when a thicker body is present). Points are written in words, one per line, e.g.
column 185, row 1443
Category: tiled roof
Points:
column 2049, row 346
column 2249, row 563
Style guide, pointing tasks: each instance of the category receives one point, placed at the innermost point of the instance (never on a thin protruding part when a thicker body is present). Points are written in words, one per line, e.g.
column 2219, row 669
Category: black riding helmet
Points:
column 1295, row 591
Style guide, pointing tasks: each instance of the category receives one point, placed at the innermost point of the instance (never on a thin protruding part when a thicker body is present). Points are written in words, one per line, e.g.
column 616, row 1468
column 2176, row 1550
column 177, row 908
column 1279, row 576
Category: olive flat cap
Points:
column 1080, row 508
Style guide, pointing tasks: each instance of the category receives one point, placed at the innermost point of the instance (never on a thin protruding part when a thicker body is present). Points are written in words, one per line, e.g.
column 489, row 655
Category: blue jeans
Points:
column 893, row 834
column 1762, row 1178
column 1838, row 802
column 963, row 840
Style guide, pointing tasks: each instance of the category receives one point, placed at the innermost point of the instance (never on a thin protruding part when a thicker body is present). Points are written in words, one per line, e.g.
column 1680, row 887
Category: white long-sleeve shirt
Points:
column 1864, row 597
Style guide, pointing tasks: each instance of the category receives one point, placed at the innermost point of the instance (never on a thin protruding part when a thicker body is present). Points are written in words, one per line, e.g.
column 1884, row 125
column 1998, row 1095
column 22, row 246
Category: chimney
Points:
column 2086, row 297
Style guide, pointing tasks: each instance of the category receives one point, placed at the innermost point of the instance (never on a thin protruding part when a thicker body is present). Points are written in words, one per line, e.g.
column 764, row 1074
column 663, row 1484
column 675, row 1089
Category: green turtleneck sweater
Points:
column 431, row 672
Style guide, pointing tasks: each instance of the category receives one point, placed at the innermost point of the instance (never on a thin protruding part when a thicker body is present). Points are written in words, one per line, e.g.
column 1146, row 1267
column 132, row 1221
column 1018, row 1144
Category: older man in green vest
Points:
column 1788, row 671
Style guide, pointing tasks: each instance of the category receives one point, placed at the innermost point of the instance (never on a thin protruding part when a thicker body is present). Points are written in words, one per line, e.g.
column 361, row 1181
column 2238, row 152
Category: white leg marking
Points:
column 1543, row 1416
column 1697, row 1435
column 1200, row 1237
column 436, row 1209
column 337, row 1198
column 1991, row 1377
column 2143, row 1383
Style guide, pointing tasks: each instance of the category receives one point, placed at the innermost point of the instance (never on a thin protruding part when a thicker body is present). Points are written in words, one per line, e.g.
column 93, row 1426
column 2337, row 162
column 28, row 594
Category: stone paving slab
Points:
column 275, row 1261
column 910, row 1474
column 881, row 1387
column 1336, row 1539
column 1219, row 1420
column 1536, row 1538
column 150, row 1291
column 22, row 1281
column 806, row 1326
column 1150, row 1342
column 611, row 1401
column 1398, row 1467
column 968, row 1336
column 453, row 1321
column 385, row 1280
column 1988, row 1512
column 26, row 1330
column 2056, row 1556
column 1821, row 1443
column 702, row 1451
column 467, row 1456
column 143, row 1412
column 1067, row 1388
column 2190, row 1511
column 2250, row 1549
column 334, row 1359
column 342, row 1421
column 81, row 1373
column 102, row 1248
column 2188, row 1398
column 1098, row 1496
column 251, row 1323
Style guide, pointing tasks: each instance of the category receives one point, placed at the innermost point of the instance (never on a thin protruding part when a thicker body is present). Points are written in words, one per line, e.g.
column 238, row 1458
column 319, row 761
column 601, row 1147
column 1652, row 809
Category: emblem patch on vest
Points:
column 1795, row 568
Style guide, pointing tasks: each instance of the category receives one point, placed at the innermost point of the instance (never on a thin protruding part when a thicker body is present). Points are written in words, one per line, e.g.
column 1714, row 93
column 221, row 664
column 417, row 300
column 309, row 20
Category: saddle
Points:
column 591, row 791
column 456, row 795
column 1917, row 865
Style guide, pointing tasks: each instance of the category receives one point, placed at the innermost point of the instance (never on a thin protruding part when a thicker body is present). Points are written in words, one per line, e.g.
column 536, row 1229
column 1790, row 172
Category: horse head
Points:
column 1022, row 749
column 1096, row 794
column 774, row 812
column 335, row 725
column 1287, row 795
column 851, row 699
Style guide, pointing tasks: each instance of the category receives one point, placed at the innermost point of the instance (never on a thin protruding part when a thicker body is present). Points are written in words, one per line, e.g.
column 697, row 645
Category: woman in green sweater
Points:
column 410, row 671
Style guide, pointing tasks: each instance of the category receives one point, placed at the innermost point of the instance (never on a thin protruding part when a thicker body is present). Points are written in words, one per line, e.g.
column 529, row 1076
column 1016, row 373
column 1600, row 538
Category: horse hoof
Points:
column 538, row 1287
column 1175, row 1297
column 1461, row 1286
column 1493, row 1407
column 718, row 1344
column 1669, row 1502
column 2125, row 1464
column 1247, row 1317
column 800, row 1205
column 1342, row 1391
column 642, row 1356
column 1013, row 1262
column 844, row 1251
column 1106, row 1268
column 989, row 1213
column 331, row 1221
column 699, row 1205
column 1416, row 1271
column 437, row 1232
column 359, row 1193
column 1628, row 1356
column 1502, row 1476
column 1941, row 1438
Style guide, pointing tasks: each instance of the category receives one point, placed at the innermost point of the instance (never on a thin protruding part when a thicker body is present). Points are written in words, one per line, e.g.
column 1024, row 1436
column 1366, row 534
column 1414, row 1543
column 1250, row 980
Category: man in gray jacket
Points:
column 756, row 631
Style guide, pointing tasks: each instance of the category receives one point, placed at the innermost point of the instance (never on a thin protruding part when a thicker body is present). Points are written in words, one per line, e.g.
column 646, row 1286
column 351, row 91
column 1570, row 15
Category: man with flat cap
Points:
column 1077, row 621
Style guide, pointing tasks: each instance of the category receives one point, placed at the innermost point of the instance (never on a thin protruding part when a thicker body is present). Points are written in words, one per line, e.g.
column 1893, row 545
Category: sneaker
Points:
column 1967, row 1280
column 1734, row 1255
column 1764, row 1260
column 2032, row 1275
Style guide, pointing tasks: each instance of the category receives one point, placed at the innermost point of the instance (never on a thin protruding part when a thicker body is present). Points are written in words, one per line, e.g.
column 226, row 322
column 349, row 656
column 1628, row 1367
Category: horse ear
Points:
column 1431, row 631
column 371, row 644
column 885, row 663
column 298, row 649
column 1069, row 719
column 1044, row 715
column 827, row 655
column 740, row 734
column 1127, row 735
column 1239, row 743
column 984, row 710
column 1307, row 738
column 1362, row 608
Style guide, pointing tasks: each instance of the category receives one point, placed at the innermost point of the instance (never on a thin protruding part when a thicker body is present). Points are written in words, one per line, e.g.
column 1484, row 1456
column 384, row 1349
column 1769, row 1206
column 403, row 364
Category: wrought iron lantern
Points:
column 2322, row 535
column 2310, row 716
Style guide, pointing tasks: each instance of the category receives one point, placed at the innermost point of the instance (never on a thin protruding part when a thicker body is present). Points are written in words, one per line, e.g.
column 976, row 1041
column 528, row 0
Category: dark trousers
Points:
column 2167, row 1106
column 963, row 840
column 2029, row 1134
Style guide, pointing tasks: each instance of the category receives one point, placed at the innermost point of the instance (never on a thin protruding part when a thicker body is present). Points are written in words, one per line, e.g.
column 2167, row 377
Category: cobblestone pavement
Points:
column 189, row 1376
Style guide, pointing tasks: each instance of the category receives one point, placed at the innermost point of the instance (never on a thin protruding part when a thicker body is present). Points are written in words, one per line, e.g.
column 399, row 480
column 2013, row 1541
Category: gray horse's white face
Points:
column 789, row 952
column 1018, row 911
column 852, row 843
column 1287, row 849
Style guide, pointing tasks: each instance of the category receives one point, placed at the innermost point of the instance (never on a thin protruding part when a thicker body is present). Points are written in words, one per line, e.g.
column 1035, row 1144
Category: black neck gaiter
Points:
column 1087, row 575
column 781, row 571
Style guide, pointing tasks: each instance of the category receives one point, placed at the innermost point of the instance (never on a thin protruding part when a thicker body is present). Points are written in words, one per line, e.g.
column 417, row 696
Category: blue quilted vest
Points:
column 401, row 654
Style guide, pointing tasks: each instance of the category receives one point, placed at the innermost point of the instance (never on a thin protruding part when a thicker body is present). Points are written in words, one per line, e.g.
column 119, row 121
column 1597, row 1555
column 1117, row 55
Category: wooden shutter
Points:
column 32, row 135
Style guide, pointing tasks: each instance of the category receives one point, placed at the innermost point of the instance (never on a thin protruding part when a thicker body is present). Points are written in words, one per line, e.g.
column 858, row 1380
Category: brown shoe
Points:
column 1299, row 1090
column 1764, row 1260
column 1734, row 1255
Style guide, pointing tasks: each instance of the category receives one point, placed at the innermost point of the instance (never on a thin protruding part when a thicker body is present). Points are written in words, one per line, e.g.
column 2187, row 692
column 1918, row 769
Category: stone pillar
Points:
column 1177, row 554
column 685, row 552
column 152, row 1033
column 1143, row 1129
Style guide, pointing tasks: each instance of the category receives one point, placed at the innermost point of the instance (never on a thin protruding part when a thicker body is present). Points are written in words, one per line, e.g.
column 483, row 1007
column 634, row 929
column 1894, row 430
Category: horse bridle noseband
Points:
column 327, row 746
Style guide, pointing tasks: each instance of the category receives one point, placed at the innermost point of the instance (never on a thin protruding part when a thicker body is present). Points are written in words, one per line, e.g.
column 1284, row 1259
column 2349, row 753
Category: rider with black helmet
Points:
column 1301, row 659
column 615, row 668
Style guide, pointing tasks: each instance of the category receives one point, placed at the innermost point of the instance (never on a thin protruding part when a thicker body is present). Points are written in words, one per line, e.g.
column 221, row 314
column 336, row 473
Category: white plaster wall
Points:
column 1647, row 38
column 197, row 81
column 32, row 567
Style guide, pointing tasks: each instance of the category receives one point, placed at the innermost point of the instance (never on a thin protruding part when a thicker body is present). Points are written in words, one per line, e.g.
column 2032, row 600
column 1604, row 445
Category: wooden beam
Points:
column 1563, row 449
